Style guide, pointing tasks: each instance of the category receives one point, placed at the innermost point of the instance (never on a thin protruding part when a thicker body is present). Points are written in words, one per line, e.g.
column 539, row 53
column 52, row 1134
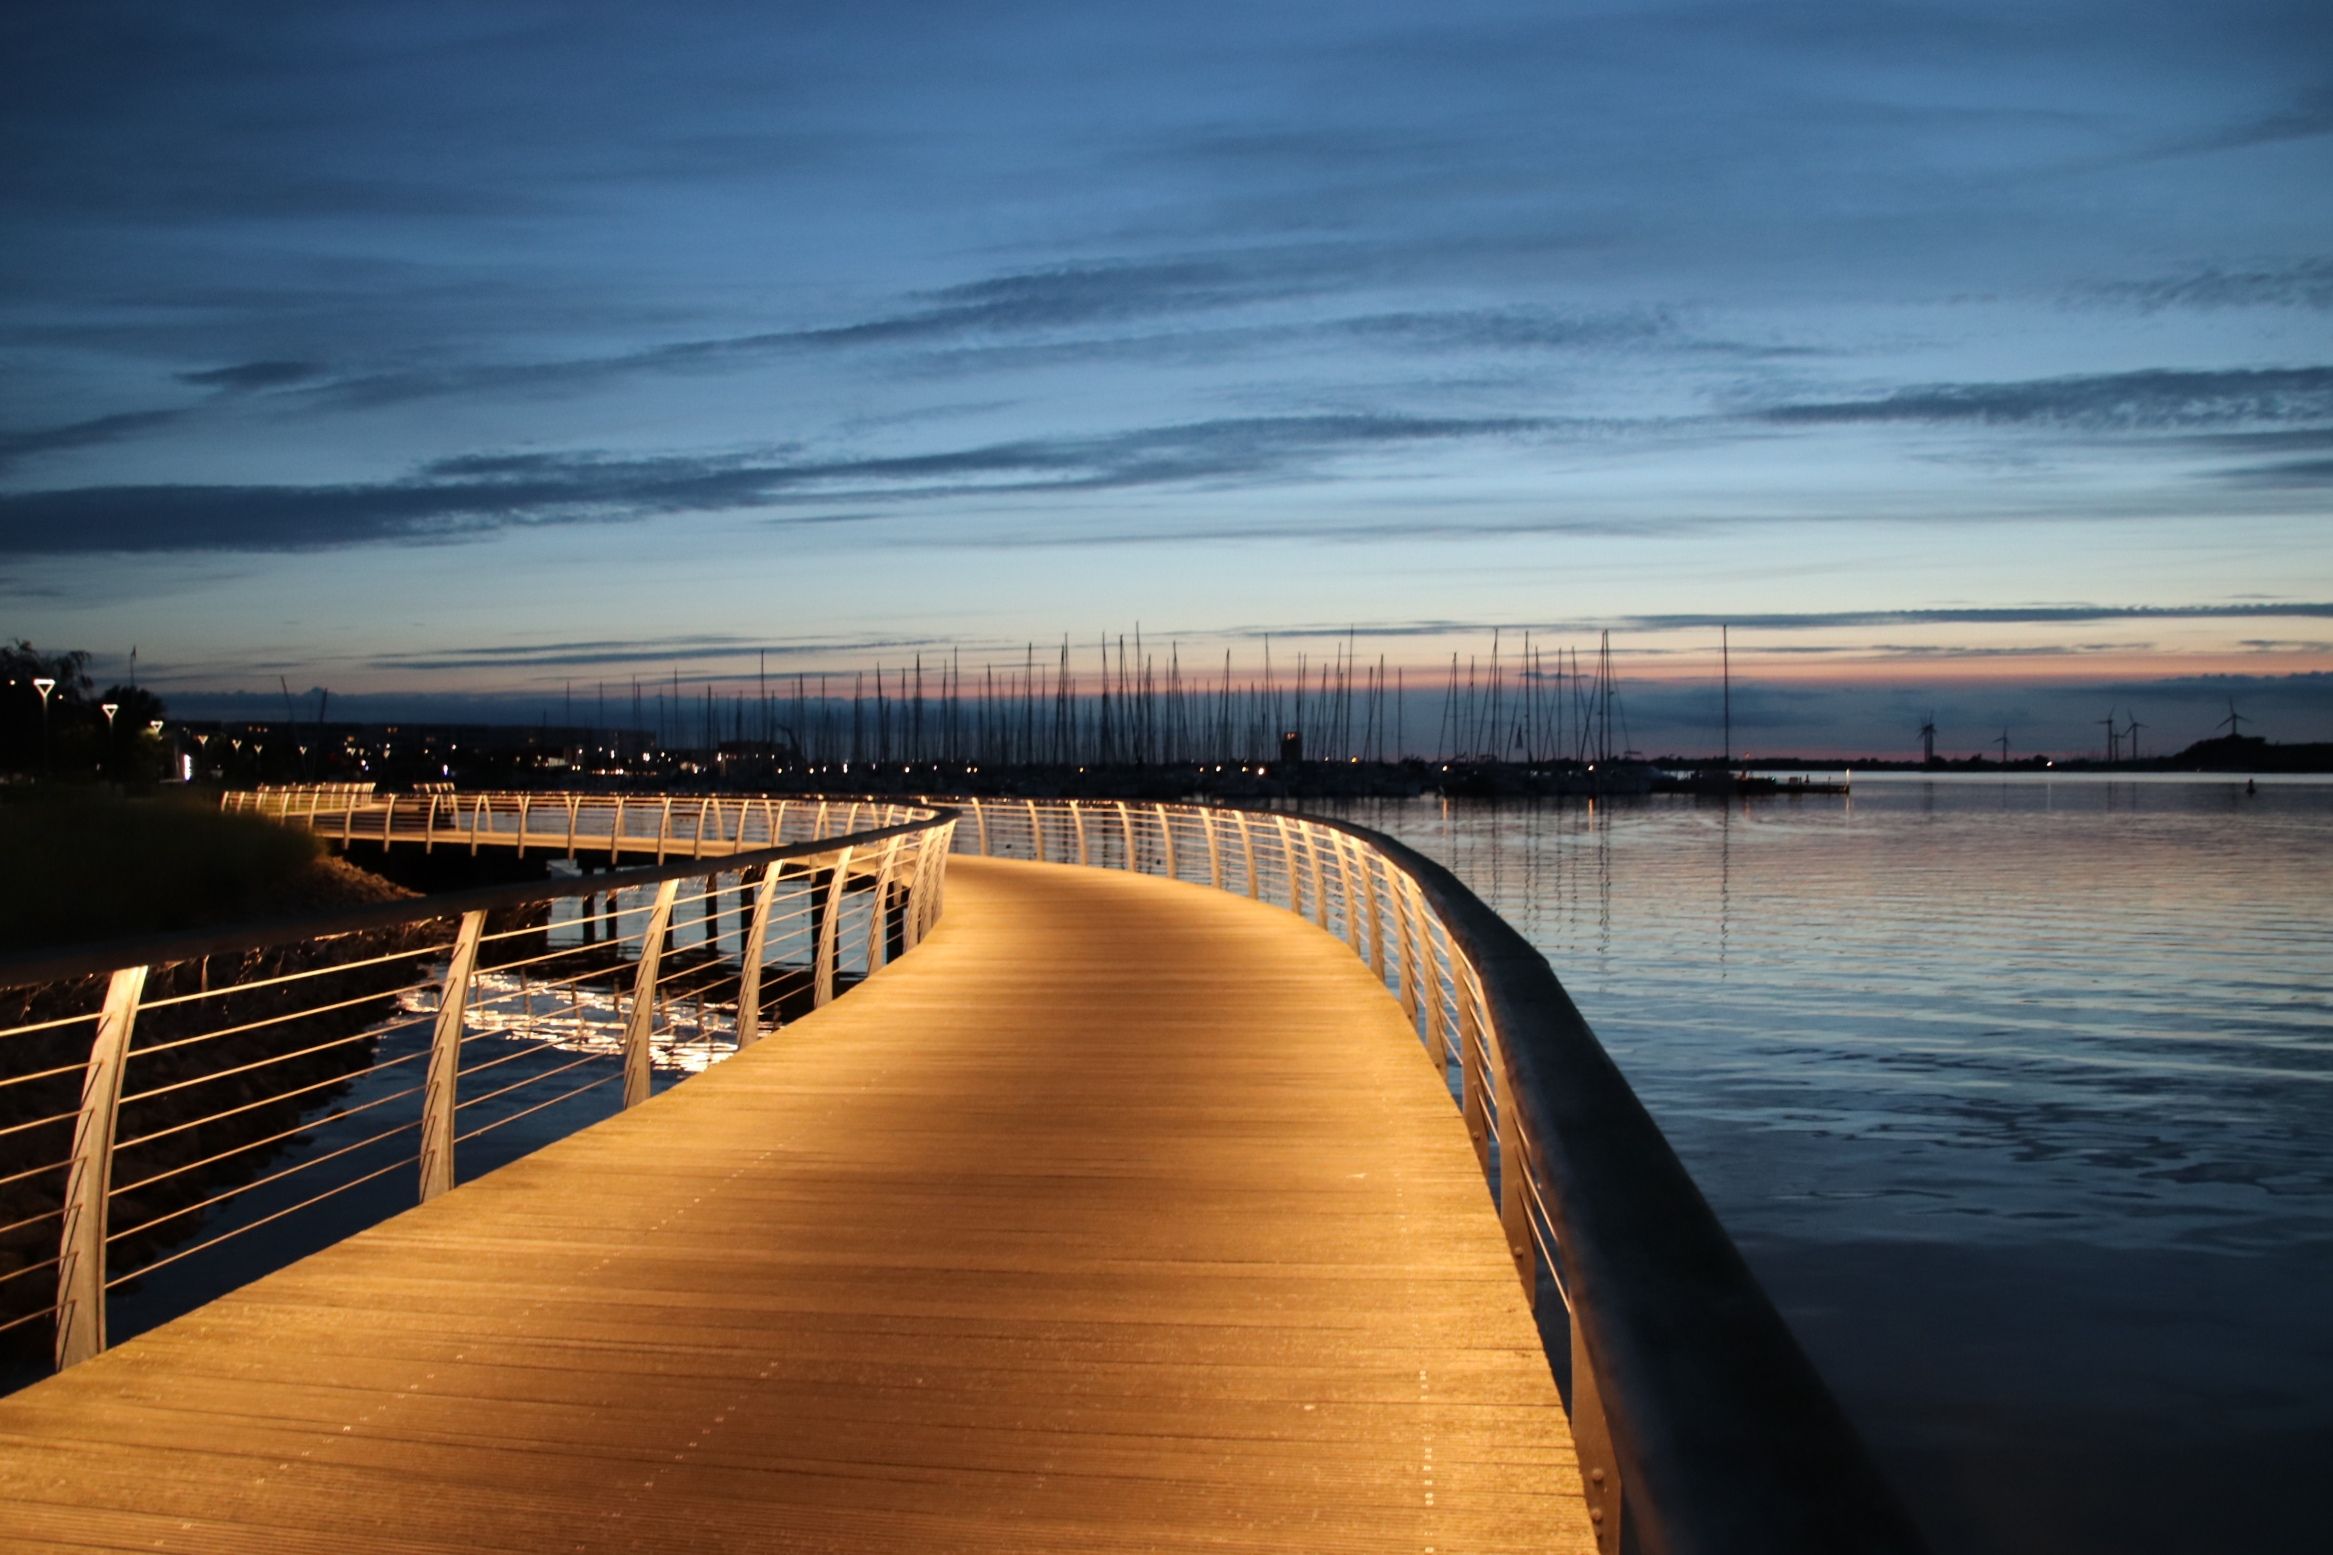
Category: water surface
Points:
column 2018, row 1095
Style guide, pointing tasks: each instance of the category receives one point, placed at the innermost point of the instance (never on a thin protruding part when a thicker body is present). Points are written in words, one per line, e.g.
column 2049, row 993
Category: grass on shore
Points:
column 89, row 867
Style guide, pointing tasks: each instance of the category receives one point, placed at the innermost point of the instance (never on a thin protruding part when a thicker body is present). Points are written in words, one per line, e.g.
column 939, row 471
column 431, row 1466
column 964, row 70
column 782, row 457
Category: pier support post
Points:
column 445, row 1060
column 89, row 1181
column 1166, row 838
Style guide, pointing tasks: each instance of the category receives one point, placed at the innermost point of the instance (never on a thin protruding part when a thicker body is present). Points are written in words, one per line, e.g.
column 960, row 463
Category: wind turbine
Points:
column 2003, row 742
column 2133, row 731
column 2113, row 746
column 1928, row 741
column 2234, row 722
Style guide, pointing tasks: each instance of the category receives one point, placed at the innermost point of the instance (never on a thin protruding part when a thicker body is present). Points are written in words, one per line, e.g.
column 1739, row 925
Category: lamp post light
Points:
column 44, row 684
column 109, row 709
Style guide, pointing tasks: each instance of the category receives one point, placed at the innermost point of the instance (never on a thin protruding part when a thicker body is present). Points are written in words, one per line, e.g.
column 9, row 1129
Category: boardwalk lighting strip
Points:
column 1701, row 1425
column 167, row 1096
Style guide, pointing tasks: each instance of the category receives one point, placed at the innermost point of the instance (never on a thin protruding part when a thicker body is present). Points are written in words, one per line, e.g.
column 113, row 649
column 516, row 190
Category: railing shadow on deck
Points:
column 265, row 1090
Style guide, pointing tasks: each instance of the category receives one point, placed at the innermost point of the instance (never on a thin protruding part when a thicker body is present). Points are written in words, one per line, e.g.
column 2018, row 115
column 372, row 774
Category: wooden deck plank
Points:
column 1122, row 1215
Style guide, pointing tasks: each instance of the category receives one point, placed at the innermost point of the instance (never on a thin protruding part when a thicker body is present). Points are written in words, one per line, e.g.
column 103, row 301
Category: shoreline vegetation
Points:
column 90, row 866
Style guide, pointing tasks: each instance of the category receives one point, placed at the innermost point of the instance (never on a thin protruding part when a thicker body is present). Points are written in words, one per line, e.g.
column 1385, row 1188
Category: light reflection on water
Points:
column 2017, row 1096
column 687, row 1037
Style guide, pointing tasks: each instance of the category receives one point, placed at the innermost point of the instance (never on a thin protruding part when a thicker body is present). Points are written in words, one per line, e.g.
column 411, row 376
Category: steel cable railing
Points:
column 168, row 1098
column 1700, row 1423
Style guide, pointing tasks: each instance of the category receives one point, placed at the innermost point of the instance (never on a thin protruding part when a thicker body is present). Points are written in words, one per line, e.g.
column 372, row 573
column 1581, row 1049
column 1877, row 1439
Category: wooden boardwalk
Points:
column 1121, row 1215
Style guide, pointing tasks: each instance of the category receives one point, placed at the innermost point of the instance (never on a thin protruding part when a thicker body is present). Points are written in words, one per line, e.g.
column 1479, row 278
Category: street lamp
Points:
column 44, row 684
column 109, row 709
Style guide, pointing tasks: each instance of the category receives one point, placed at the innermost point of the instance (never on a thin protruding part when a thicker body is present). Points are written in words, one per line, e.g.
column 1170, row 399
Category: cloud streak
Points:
column 2154, row 400
column 473, row 495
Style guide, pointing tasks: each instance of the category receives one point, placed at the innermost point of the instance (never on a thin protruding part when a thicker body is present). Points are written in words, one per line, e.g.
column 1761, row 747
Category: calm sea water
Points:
column 2019, row 1098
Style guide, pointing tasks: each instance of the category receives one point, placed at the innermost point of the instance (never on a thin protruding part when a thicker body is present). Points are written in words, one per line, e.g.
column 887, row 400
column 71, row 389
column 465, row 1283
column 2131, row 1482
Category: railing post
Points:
column 1247, row 847
column 1036, row 833
column 911, row 912
column 1208, row 816
column 1320, row 898
column 1437, row 1034
column 697, row 843
column 822, row 978
column 1473, row 1094
column 878, row 926
column 1288, row 866
column 616, row 830
column 574, row 805
column 89, row 1182
column 1373, row 865
column 980, row 820
column 1077, row 819
column 1347, row 914
column 1126, row 837
column 429, row 825
column 640, row 1019
column 1166, row 837
column 1515, row 1190
column 481, row 811
column 749, row 966
column 663, row 827
column 347, row 822
column 1592, row 1441
column 1405, row 930
column 388, row 822
column 445, row 1061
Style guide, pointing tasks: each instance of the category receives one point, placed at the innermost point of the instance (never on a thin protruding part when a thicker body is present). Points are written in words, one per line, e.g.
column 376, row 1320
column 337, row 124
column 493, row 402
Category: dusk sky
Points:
column 1972, row 358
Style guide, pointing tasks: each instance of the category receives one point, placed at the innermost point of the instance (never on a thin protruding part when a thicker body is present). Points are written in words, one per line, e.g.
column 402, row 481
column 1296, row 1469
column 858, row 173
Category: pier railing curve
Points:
column 1702, row 1427
column 164, row 1096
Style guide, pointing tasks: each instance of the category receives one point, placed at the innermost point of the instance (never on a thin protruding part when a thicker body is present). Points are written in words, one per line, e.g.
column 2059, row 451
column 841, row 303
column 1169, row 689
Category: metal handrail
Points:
column 284, row 1034
column 1702, row 1426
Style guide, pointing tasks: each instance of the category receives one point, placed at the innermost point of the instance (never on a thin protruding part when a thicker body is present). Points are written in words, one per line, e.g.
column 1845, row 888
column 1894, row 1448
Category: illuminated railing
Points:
column 611, row 826
column 1692, row 1405
column 165, row 1098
